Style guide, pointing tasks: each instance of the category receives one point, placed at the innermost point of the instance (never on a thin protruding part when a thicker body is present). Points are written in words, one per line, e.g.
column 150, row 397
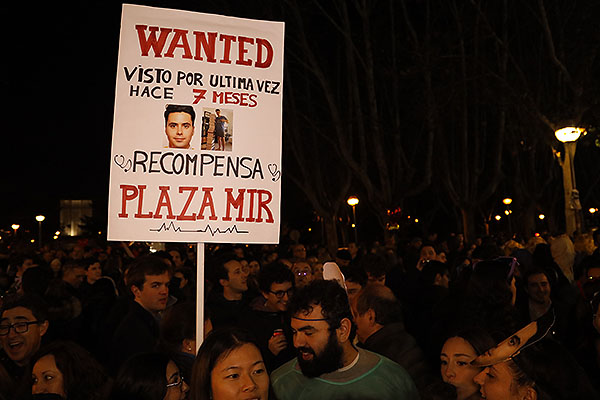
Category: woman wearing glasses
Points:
column 149, row 376
column 229, row 366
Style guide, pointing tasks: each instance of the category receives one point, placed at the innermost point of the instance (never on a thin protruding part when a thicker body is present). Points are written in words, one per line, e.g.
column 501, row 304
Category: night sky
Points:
column 58, row 80
column 58, row 77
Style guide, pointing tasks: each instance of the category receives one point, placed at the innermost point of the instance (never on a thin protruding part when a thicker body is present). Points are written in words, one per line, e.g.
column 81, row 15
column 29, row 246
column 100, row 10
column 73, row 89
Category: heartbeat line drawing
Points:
column 171, row 226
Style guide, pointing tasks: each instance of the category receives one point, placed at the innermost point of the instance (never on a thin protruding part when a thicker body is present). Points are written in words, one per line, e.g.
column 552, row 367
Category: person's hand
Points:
column 277, row 343
column 420, row 264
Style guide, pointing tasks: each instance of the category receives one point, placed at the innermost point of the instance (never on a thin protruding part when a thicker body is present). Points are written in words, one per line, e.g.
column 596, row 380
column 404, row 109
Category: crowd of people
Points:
column 424, row 318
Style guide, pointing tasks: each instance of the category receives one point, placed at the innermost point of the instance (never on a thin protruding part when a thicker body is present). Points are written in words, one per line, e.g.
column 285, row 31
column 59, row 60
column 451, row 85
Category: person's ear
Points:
column 343, row 332
column 265, row 295
column 438, row 279
column 136, row 291
column 371, row 316
column 529, row 394
column 224, row 282
column 189, row 346
column 44, row 328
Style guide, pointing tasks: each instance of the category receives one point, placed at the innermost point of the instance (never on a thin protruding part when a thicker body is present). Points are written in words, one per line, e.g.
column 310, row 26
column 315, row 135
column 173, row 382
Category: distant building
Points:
column 71, row 213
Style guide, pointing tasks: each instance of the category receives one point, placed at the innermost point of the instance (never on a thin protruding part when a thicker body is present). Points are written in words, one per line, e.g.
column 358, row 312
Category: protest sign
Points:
column 196, row 149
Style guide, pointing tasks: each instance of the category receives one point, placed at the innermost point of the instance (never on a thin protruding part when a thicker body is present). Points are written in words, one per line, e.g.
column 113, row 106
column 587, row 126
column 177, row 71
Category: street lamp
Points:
column 40, row 219
column 15, row 228
column 353, row 201
column 568, row 136
column 507, row 202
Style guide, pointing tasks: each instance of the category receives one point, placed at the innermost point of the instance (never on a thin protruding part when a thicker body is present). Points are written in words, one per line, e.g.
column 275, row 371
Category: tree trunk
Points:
column 331, row 234
column 468, row 223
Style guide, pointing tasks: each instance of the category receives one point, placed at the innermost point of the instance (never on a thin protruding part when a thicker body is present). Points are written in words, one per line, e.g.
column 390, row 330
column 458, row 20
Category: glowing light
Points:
column 416, row 220
column 497, row 218
column 593, row 210
column 39, row 218
column 352, row 201
column 569, row 134
column 541, row 216
column 507, row 201
column 506, row 212
column 15, row 226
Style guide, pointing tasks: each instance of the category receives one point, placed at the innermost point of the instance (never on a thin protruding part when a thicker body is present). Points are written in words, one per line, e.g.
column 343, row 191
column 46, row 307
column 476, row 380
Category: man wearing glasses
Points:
column 23, row 323
column 267, row 320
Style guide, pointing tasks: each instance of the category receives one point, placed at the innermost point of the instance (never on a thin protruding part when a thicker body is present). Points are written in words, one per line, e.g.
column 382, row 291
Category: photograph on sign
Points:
column 196, row 147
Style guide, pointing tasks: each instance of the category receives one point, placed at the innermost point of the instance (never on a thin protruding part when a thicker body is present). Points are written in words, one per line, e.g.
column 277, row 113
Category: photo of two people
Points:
column 216, row 128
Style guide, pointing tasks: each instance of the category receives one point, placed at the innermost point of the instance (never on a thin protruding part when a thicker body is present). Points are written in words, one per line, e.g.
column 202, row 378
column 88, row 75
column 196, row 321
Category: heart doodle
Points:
column 121, row 162
column 275, row 172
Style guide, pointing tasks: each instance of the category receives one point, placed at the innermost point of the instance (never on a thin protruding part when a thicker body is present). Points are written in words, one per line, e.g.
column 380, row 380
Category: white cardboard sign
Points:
column 196, row 149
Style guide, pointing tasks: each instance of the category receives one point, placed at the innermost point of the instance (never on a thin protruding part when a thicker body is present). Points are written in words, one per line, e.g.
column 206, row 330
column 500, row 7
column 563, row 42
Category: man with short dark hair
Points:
column 23, row 323
column 179, row 125
column 376, row 268
column 22, row 262
column 356, row 279
column 431, row 289
column 302, row 273
column 65, row 302
column 267, row 320
column 328, row 366
column 177, row 258
column 227, row 300
column 380, row 328
column 540, row 301
column 538, row 289
column 148, row 281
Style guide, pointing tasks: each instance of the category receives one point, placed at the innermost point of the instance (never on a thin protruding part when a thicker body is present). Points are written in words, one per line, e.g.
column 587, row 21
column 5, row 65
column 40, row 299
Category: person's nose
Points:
column 184, row 387
column 12, row 332
column 37, row 388
column 299, row 340
column 248, row 384
column 449, row 372
column 479, row 378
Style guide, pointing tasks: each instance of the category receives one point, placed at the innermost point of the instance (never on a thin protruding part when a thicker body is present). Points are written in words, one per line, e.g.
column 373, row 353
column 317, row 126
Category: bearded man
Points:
column 328, row 366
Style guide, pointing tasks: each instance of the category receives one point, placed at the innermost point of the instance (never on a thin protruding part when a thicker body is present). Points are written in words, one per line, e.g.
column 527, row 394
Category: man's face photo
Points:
column 319, row 350
column 179, row 130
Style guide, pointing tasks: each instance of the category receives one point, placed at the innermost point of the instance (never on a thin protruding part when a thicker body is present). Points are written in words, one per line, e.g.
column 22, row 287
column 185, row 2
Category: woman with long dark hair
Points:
column 149, row 376
column 459, row 350
column 229, row 366
column 66, row 369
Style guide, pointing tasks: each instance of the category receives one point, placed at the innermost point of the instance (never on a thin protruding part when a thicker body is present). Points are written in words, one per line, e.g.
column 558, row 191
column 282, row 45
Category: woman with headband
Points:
column 529, row 366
